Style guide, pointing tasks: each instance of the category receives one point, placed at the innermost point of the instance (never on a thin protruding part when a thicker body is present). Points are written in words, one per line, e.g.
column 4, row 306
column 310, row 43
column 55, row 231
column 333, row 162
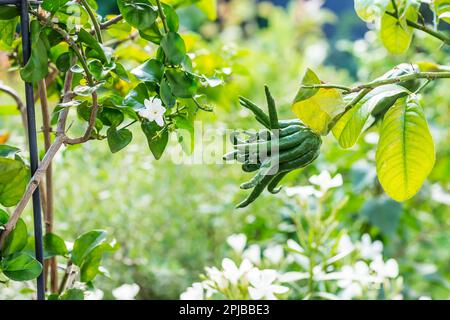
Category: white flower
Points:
column 237, row 242
column 325, row 182
column 96, row 294
column 274, row 254
column 351, row 291
column 253, row 253
column 293, row 276
column 232, row 273
column 345, row 244
column 126, row 292
column 359, row 272
column 388, row 269
column 303, row 192
column 217, row 277
column 195, row 292
column 153, row 111
column 262, row 286
column 294, row 246
column 370, row 250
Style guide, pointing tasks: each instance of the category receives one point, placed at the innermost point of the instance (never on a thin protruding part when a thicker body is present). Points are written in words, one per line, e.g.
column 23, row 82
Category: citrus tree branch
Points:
column 107, row 24
column 97, row 28
column 376, row 83
column 439, row 35
column 162, row 16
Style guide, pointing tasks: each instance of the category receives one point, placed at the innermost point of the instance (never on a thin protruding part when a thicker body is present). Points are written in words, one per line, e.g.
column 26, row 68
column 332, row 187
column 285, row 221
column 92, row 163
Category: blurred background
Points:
column 173, row 220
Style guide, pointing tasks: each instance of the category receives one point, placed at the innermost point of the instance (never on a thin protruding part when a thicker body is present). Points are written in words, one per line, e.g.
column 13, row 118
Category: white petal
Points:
column 255, row 294
column 268, row 276
column 160, row 121
column 279, row 289
column 147, row 104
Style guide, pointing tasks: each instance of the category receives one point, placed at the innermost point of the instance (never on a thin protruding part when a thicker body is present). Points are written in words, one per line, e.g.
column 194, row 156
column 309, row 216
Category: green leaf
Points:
column 118, row 139
column 54, row 246
column 136, row 97
column 72, row 294
column 138, row 13
column 121, row 72
column 442, row 9
column 7, row 30
column 405, row 154
column 90, row 268
column 370, row 10
column 171, row 17
column 151, row 34
column 85, row 243
column 53, row 5
column 9, row 12
column 86, row 38
column 157, row 138
column 166, row 95
column 350, row 126
column 111, row 117
column 182, row 84
column 319, row 110
column 185, row 133
column 174, row 48
column 16, row 240
column 37, row 67
column 310, row 78
column 8, row 151
column 150, row 71
column 396, row 35
column 14, row 176
column 208, row 7
column 21, row 267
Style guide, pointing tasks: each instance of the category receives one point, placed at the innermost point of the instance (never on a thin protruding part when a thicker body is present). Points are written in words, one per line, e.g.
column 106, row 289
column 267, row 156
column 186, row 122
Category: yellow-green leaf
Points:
column 319, row 110
column 442, row 8
column 396, row 35
column 350, row 126
column 405, row 155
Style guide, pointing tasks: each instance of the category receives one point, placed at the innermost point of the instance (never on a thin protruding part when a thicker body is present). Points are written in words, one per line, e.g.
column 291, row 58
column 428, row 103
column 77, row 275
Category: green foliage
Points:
column 20, row 267
column 14, row 175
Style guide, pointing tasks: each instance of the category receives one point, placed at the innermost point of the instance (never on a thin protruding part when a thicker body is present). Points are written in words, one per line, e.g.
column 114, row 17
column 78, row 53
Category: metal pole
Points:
column 32, row 139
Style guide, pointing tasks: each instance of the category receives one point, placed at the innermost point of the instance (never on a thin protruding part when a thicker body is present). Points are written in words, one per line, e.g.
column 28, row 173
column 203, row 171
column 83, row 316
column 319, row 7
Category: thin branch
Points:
column 94, row 20
column 376, row 83
column 439, row 35
column 162, row 16
column 20, row 105
column 107, row 24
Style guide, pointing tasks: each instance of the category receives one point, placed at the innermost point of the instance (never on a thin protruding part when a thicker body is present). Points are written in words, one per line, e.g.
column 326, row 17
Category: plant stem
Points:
column 110, row 22
column 46, row 128
column 20, row 105
column 94, row 20
column 439, row 35
column 162, row 16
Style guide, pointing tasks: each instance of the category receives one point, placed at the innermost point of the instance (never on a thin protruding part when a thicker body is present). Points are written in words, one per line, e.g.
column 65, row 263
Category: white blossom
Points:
column 195, row 292
column 253, row 253
column 153, row 111
column 126, row 292
column 370, row 250
column 262, row 286
column 237, row 242
column 303, row 192
column 96, row 294
column 232, row 273
column 274, row 254
column 388, row 269
column 325, row 182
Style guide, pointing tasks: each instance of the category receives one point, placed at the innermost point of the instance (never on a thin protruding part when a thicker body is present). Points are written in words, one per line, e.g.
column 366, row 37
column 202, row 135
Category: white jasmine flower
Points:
column 388, row 269
column 253, row 253
column 345, row 244
column 359, row 272
column 195, row 292
column 237, row 242
column 303, row 192
column 153, row 111
column 351, row 291
column 126, row 292
column 294, row 246
column 232, row 273
column 262, row 286
column 217, row 277
column 370, row 250
column 274, row 254
column 293, row 276
column 325, row 182
column 96, row 294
